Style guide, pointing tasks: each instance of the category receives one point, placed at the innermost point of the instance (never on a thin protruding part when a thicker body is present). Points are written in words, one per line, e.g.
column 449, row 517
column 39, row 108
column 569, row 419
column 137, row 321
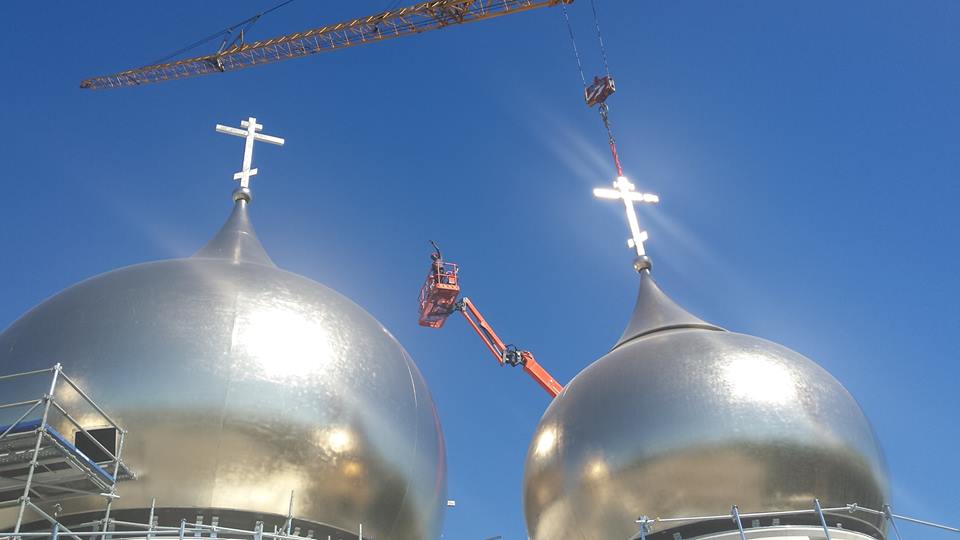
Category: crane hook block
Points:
column 599, row 90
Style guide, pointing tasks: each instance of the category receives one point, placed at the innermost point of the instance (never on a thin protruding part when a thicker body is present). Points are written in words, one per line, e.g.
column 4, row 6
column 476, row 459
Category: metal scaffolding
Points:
column 39, row 463
column 47, row 456
column 128, row 530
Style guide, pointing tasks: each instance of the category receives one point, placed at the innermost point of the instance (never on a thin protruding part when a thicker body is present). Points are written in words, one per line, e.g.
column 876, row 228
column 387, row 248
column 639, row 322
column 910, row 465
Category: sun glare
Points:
column 283, row 343
column 759, row 379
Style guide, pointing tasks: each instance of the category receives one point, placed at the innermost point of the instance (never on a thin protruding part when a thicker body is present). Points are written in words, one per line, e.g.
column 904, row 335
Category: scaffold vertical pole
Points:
column 823, row 520
column 644, row 529
column 116, row 475
column 888, row 513
column 153, row 509
column 735, row 515
column 288, row 526
column 47, row 400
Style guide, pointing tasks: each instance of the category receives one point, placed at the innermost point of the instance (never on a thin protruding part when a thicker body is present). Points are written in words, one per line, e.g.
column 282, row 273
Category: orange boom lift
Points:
column 439, row 298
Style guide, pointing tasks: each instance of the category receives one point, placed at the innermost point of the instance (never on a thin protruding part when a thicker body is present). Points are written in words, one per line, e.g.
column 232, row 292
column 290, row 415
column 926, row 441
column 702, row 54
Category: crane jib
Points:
column 388, row 24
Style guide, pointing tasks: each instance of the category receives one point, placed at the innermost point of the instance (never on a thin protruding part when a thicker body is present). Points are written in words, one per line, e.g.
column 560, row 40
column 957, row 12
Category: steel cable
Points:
column 603, row 49
column 225, row 32
column 573, row 41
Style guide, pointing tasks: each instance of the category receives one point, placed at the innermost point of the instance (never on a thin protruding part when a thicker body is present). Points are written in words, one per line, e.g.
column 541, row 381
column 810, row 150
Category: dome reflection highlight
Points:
column 283, row 343
column 759, row 378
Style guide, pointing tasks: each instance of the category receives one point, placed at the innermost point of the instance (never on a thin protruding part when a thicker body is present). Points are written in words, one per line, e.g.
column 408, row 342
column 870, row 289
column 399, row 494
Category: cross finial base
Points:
column 242, row 194
column 642, row 263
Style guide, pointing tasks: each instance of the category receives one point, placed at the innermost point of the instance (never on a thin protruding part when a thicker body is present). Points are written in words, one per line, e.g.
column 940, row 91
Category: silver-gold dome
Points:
column 240, row 383
column 683, row 418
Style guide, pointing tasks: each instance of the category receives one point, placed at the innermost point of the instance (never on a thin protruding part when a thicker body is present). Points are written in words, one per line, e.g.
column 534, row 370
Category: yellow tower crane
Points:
column 414, row 19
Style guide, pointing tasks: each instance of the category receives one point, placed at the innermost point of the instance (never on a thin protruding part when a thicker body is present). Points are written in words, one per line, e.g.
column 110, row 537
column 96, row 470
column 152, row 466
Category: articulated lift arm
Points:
column 389, row 24
column 507, row 354
column 440, row 298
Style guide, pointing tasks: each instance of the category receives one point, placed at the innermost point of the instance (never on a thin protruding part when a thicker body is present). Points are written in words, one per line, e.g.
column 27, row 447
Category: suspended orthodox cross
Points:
column 251, row 127
column 625, row 190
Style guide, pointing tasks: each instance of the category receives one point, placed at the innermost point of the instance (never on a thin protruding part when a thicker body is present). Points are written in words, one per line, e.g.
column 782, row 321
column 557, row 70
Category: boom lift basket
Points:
column 438, row 296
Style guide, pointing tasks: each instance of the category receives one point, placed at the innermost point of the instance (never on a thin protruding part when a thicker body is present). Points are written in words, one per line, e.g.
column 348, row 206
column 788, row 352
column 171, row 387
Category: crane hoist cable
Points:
column 227, row 32
column 597, row 92
column 596, row 24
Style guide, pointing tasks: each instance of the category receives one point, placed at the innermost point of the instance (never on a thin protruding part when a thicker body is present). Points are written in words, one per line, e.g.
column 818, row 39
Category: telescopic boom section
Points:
column 388, row 24
column 506, row 354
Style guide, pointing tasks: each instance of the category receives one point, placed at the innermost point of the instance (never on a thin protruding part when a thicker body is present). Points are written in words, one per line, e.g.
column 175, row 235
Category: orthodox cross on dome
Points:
column 250, row 133
column 623, row 189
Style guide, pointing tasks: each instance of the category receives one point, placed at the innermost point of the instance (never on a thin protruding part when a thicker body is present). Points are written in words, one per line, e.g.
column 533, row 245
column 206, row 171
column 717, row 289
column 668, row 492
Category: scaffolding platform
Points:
column 61, row 466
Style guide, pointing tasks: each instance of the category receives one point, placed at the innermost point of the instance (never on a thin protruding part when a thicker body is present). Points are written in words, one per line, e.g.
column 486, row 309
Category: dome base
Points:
column 132, row 519
column 787, row 533
column 800, row 526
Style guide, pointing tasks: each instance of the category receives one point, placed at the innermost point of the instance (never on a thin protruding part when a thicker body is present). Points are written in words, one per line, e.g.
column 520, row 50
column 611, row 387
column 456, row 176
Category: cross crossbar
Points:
column 626, row 191
column 250, row 132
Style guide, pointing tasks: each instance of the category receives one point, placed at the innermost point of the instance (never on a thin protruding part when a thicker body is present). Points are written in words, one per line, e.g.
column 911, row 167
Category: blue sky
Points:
column 806, row 154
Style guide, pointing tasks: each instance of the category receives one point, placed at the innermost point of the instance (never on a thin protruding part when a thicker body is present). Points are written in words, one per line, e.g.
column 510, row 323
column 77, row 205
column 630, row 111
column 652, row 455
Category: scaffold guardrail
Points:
column 737, row 518
column 113, row 529
column 126, row 530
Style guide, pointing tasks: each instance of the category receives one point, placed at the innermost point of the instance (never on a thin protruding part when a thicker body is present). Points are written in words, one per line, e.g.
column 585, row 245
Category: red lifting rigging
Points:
column 439, row 299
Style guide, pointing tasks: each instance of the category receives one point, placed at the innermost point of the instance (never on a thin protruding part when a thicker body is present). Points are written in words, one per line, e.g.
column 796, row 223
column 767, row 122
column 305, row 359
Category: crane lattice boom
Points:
column 389, row 24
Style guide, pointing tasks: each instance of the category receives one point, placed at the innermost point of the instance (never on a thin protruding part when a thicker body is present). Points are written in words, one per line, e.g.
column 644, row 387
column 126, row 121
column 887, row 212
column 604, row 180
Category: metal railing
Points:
column 736, row 516
column 127, row 530
column 114, row 529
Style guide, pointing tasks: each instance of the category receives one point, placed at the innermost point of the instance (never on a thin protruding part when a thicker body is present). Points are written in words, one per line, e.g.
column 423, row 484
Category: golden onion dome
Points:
column 682, row 418
column 240, row 383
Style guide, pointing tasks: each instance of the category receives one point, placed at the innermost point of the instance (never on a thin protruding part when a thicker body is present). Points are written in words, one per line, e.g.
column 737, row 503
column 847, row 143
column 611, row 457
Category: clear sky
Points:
column 806, row 153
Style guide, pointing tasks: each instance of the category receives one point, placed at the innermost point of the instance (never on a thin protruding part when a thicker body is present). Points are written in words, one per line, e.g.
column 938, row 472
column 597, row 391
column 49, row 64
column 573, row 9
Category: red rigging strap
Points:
column 610, row 139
